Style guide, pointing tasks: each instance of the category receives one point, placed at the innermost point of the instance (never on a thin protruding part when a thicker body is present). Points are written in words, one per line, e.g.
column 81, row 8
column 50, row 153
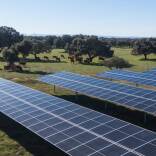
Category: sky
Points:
column 123, row 18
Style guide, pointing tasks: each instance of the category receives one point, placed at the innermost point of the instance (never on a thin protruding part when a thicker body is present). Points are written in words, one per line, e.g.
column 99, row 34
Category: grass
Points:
column 138, row 62
column 17, row 141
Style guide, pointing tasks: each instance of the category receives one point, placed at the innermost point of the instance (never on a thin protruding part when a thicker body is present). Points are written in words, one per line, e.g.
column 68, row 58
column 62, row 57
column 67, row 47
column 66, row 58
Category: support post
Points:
column 76, row 96
column 145, row 117
column 54, row 89
column 106, row 107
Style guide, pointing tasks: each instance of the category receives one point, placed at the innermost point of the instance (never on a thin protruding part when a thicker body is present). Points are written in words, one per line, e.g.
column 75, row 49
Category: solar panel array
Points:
column 152, row 71
column 135, row 77
column 129, row 96
column 74, row 129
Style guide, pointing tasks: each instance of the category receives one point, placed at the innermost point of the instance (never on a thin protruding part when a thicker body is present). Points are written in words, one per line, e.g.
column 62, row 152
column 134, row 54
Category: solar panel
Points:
column 125, row 95
column 135, row 77
column 74, row 129
column 151, row 72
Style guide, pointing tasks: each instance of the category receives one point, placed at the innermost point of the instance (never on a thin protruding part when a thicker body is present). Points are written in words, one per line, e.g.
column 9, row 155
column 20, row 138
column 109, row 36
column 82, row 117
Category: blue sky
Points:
column 98, row 17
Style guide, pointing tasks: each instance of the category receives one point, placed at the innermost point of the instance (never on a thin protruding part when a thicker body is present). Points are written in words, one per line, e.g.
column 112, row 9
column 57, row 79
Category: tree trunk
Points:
column 12, row 66
column 145, row 55
column 90, row 57
column 24, row 57
column 35, row 56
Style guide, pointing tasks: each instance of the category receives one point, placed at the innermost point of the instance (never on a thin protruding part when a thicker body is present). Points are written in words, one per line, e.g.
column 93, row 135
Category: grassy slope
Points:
column 8, row 146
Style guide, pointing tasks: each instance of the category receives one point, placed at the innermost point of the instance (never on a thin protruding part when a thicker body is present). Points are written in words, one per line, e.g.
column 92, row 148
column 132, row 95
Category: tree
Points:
column 67, row 39
column 9, row 36
column 46, row 47
column 98, row 48
column 50, row 40
column 76, row 46
column 58, row 43
column 91, row 46
column 24, row 47
column 37, row 47
column 9, row 56
column 66, row 48
column 144, row 47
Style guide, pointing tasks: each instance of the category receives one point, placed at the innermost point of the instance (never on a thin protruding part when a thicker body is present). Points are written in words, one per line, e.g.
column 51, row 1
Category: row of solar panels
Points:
column 121, row 94
column 152, row 71
column 146, row 78
column 76, row 130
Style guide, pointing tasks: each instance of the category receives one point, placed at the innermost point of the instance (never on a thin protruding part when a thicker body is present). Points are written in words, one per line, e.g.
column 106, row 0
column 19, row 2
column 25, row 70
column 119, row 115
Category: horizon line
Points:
column 107, row 36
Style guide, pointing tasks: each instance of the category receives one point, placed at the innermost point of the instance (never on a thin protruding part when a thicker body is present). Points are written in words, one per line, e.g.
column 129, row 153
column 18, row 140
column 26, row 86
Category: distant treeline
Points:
column 12, row 41
column 64, row 40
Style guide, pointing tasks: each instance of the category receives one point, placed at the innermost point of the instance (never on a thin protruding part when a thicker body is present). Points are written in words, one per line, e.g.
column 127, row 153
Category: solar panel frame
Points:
column 37, row 111
column 121, row 92
column 134, row 77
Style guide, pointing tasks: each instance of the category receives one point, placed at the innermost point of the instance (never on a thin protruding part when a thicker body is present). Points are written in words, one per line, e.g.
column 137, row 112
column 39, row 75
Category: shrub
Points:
column 116, row 62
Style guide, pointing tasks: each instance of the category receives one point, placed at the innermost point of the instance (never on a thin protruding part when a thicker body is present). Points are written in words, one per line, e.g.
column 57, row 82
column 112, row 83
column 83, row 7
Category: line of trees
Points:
column 12, row 43
column 102, row 45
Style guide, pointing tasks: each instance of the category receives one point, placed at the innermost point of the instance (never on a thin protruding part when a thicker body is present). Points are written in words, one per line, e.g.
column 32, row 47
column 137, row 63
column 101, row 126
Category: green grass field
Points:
column 10, row 137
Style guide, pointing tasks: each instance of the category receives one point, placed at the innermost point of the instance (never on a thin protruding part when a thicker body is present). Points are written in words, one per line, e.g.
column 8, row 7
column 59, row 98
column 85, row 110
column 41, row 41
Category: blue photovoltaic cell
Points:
column 135, row 77
column 78, row 131
column 122, row 94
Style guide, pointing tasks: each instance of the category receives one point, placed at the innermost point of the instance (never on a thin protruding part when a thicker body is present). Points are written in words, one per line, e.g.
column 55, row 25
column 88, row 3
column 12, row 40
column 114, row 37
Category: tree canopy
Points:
column 9, row 55
column 91, row 46
column 37, row 47
column 24, row 47
column 144, row 47
column 9, row 36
